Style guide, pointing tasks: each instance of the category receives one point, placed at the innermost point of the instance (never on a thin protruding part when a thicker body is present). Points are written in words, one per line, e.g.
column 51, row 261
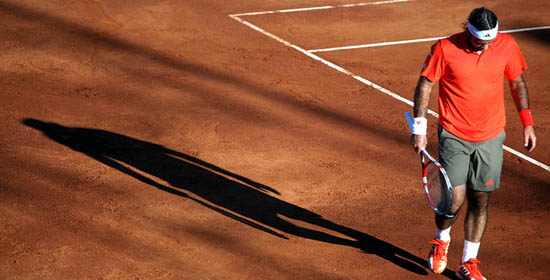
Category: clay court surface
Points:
column 168, row 140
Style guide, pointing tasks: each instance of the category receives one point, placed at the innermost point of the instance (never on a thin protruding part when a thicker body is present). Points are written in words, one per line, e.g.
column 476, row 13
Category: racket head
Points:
column 437, row 185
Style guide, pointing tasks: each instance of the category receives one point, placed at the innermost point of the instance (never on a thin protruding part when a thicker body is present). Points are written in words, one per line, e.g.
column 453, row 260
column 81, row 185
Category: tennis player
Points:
column 470, row 67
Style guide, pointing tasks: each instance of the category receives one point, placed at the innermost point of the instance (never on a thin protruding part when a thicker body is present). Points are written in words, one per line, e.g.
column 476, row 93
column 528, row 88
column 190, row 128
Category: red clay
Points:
column 165, row 140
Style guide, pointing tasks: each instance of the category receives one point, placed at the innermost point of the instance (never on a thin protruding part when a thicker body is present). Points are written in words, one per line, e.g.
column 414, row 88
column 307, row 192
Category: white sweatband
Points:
column 420, row 126
column 483, row 34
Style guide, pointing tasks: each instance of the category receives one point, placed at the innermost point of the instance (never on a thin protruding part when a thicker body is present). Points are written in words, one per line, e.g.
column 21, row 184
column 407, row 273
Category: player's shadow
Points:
column 254, row 204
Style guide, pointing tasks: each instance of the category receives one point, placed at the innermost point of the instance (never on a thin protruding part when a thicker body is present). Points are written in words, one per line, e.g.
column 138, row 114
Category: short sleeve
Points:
column 434, row 66
column 516, row 64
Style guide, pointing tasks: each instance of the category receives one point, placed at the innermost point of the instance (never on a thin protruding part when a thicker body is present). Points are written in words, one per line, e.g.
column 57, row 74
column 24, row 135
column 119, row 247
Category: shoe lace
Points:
column 439, row 248
column 471, row 265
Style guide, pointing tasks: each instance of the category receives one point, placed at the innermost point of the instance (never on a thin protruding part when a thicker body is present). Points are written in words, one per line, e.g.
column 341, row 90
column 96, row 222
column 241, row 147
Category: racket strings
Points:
column 437, row 188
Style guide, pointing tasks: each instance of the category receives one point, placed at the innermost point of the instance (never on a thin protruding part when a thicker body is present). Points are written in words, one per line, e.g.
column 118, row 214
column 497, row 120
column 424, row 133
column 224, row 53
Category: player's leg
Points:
column 475, row 224
column 437, row 258
column 454, row 157
column 484, row 177
column 476, row 215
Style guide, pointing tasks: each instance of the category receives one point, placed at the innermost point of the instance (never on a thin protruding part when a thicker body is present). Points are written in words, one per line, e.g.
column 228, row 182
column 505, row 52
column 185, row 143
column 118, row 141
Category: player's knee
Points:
column 479, row 202
column 457, row 205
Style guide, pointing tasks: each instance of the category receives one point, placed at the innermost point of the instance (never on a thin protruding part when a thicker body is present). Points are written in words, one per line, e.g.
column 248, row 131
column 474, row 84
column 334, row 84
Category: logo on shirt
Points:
column 490, row 183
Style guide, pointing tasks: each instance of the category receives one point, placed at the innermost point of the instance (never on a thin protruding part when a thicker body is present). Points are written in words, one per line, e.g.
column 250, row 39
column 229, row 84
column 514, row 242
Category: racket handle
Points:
column 410, row 121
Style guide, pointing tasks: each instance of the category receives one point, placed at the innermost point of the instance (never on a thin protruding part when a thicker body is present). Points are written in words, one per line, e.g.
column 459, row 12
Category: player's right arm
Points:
column 422, row 95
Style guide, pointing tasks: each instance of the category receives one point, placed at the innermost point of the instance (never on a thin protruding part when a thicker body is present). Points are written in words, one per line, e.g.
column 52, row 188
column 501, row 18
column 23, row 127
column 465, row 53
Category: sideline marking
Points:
column 414, row 41
column 320, row 8
column 369, row 83
column 523, row 156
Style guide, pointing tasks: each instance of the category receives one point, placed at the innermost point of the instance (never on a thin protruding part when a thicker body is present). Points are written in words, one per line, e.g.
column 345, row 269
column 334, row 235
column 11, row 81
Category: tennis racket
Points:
column 437, row 185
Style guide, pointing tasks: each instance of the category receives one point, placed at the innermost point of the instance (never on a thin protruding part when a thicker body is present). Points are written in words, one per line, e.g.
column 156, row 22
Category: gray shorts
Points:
column 476, row 164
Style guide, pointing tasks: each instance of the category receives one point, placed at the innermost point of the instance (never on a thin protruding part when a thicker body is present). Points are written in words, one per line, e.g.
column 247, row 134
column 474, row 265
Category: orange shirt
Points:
column 471, row 91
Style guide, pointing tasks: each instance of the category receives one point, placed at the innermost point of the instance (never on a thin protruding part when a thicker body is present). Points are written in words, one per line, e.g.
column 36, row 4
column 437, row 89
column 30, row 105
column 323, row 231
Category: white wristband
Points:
column 420, row 126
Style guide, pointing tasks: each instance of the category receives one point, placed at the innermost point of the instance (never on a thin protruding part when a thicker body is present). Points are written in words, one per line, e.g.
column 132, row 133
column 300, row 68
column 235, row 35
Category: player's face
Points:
column 478, row 44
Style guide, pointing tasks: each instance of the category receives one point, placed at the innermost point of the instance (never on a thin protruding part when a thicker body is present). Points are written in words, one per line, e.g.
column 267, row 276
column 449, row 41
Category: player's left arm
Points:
column 520, row 94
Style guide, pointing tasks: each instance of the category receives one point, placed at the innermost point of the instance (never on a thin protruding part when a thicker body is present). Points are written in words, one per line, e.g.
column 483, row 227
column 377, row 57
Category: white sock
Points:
column 470, row 250
column 443, row 234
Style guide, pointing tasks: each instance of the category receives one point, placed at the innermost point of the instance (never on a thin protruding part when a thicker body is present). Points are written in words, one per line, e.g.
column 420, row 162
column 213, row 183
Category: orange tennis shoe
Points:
column 437, row 259
column 469, row 271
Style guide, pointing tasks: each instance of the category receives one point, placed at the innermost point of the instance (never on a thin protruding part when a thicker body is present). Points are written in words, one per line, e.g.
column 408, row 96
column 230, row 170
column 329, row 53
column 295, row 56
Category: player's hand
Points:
column 419, row 142
column 529, row 138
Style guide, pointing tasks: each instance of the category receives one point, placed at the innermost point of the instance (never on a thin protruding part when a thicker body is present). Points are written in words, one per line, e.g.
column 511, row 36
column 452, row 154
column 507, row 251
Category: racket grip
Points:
column 410, row 120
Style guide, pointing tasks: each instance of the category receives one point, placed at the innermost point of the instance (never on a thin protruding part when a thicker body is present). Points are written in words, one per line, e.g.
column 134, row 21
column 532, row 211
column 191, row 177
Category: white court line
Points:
column 365, row 81
column 321, row 8
column 328, row 63
column 413, row 41
column 526, row 29
column 376, row 45
column 529, row 159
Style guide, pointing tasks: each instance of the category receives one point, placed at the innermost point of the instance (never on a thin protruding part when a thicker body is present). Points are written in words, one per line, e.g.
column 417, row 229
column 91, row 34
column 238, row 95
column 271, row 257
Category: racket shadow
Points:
column 219, row 190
